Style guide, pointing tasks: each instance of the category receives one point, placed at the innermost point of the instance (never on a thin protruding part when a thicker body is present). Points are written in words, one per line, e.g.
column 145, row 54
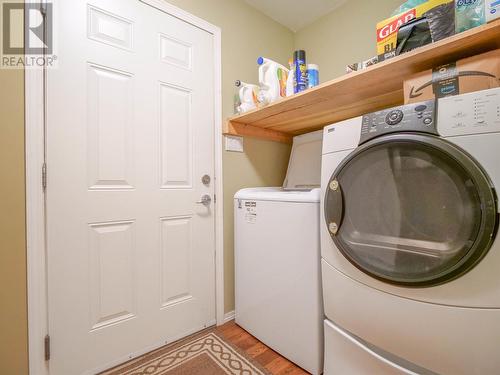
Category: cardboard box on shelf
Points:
column 441, row 18
column 475, row 73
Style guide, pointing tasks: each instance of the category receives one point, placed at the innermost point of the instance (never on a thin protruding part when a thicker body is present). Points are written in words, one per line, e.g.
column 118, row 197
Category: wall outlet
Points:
column 234, row 143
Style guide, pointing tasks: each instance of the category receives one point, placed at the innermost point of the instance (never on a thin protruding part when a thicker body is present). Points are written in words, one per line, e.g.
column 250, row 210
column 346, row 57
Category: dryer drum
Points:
column 412, row 210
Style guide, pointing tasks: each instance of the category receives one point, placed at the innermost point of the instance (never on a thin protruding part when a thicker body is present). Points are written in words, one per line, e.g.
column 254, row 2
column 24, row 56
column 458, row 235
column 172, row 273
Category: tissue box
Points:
column 492, row 10
column 475, row 73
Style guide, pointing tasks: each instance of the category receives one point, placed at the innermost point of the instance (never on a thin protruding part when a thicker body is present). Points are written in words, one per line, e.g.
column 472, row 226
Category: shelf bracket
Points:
column 244, row 130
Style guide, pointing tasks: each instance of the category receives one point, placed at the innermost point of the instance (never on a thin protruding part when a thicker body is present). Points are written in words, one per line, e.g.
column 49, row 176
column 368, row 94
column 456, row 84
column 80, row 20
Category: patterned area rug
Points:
column 202, row 354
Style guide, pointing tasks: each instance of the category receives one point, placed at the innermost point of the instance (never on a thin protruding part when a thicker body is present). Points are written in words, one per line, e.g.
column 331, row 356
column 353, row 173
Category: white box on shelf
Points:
column 492, row 10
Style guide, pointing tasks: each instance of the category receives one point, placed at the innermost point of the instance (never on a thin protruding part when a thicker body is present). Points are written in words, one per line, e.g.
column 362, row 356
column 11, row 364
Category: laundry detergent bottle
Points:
column 290, row 83
column 248, row 94
column 272, row 80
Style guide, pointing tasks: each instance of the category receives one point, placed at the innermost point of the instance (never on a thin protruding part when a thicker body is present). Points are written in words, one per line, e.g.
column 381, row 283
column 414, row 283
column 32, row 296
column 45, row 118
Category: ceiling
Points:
column 295, row 14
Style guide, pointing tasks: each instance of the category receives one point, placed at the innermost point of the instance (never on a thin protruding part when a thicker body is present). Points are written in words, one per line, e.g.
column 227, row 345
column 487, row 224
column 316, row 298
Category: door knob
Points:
column 205, row 200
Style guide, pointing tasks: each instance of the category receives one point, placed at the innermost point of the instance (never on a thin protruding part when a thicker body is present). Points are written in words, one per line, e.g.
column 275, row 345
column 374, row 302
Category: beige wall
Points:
column 344, row 36
column 13, row 316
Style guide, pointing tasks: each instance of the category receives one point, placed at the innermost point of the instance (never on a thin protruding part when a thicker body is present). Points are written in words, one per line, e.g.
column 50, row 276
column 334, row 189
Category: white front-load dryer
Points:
column 410, row 258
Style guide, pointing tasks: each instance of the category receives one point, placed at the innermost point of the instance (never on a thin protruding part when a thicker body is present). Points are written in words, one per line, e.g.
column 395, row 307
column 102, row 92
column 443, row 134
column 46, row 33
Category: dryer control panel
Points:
column 472, row 113
column 415, row 117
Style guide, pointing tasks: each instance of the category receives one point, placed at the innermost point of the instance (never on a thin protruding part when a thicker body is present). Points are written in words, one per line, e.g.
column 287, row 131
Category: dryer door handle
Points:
column 334, row 207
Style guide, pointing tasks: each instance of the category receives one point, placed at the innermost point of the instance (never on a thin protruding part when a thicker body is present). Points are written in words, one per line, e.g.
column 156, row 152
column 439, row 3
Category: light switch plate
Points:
column 234, row 143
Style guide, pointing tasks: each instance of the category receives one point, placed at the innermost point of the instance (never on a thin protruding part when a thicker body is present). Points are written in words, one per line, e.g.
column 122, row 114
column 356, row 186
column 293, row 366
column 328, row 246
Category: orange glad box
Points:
column 387, row 30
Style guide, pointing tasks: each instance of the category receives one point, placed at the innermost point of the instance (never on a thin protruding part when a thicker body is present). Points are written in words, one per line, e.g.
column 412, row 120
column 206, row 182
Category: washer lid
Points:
column 278, row 194
column 411, row 209
column 304, row 167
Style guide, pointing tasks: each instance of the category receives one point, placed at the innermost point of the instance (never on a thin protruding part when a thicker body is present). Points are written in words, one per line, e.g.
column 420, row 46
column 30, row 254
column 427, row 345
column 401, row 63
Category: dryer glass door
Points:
column 411, row 209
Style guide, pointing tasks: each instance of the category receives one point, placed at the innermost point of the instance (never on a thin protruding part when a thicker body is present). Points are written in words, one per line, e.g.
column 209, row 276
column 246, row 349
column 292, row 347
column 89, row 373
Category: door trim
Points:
column 35, row 198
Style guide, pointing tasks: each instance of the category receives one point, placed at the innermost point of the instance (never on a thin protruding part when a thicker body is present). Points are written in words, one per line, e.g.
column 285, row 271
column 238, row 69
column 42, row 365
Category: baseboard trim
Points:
column 229, row 316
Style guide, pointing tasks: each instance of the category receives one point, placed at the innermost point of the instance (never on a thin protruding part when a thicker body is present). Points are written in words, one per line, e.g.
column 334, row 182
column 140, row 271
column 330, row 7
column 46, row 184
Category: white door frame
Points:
column 35, row 198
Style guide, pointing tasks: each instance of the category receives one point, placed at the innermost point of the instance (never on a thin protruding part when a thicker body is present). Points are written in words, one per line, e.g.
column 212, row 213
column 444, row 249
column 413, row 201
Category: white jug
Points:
column 272, row 80
column 248, row 94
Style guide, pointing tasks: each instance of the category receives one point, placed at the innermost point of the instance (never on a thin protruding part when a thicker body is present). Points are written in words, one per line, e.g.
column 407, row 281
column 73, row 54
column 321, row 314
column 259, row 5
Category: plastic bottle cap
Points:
column 312, row 67
column 260, row 60
column 299, row 55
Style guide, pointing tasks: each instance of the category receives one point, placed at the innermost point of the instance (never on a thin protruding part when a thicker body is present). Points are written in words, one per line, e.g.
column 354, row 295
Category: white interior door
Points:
column 130, row 122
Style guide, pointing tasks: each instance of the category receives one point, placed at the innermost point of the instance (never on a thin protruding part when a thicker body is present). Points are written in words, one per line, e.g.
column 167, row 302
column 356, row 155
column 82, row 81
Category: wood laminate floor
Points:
column 266, row 357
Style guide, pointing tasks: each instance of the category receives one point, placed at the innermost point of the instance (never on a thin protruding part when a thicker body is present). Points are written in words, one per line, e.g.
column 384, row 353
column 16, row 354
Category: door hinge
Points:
column 43, row 8
column 44, row 176
column 215, row 199
column 47, row 347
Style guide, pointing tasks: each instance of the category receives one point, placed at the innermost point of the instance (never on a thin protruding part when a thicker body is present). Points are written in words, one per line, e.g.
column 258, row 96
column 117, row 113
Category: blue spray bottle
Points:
column 300, row 76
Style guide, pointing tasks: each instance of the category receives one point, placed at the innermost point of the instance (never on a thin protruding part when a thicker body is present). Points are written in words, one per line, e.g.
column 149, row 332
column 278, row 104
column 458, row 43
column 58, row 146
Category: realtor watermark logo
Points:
column 27, row 35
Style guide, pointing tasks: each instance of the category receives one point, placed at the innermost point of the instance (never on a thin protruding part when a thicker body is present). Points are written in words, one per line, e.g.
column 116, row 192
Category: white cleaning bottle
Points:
column 272, row 80
column 248, row 96
column 289, row 81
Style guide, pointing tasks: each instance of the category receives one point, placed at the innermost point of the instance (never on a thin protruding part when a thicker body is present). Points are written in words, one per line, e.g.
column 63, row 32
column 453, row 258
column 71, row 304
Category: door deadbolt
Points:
column 206, row 179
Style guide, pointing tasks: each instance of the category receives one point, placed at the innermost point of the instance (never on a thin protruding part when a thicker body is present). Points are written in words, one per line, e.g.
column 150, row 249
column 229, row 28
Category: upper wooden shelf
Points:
column 354, row 94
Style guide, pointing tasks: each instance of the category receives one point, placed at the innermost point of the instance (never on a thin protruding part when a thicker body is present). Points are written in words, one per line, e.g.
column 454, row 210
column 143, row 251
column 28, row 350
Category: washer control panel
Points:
column 416, row 117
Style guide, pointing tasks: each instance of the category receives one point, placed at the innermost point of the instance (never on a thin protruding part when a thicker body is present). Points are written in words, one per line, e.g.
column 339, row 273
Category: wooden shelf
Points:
column 378, row 87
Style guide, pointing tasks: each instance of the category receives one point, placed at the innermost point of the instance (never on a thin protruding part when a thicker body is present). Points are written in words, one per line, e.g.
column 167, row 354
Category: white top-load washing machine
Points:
column 410, row 262
column 277, row 259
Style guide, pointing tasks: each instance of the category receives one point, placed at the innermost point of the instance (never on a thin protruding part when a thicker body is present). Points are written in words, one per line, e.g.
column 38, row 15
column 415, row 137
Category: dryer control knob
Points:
column 394, row 117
